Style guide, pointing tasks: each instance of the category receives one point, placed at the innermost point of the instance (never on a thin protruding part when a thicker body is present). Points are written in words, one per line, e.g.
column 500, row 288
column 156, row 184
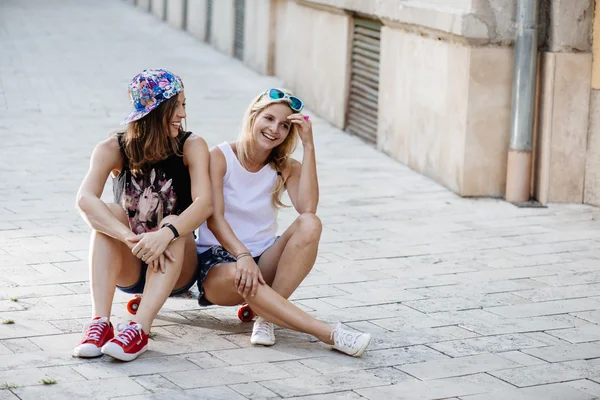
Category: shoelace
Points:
column 93, row 329
column 126, row 335
column 264, row 327
column 344, row 338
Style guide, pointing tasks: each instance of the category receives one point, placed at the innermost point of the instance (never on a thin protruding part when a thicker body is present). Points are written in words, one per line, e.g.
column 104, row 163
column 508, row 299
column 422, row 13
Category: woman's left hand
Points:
column 304, row 127
column 149, row 246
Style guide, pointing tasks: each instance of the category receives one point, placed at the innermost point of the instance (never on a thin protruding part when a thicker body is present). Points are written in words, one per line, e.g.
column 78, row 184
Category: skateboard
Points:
column 244, row 313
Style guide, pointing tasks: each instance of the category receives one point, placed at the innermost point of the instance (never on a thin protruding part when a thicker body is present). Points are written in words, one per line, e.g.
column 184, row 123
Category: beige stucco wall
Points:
column 196, row 19
column 444, row 110
column 591, row 193
column 223, row 26
column 158, row 8
column 563, row 127
column 258, row 40
column 143, row 4
column 592, row 167
column 422, row 104
column 175, row 13
column 488, row 121
column 311, row 54
column 480, row 21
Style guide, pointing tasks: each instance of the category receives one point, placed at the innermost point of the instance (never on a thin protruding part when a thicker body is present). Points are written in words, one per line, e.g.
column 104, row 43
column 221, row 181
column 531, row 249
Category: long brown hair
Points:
column 280, row 157
column 148, row 140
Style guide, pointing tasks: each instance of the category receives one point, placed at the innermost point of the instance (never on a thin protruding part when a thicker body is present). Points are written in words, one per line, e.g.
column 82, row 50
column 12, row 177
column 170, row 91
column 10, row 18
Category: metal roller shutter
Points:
column 238, row 41
column 209, row 18
column 364, row 81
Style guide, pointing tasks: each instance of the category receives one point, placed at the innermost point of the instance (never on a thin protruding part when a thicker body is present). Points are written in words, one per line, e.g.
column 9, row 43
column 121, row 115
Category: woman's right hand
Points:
column 247, row 276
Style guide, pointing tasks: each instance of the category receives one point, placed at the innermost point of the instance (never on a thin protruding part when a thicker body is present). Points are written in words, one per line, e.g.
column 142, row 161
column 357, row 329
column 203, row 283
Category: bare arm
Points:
column 196, row 157
column 105, row 158
column 302, row 183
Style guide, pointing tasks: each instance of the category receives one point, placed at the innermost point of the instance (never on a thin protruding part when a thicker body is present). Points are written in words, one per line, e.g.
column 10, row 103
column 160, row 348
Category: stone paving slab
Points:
column 466, row 298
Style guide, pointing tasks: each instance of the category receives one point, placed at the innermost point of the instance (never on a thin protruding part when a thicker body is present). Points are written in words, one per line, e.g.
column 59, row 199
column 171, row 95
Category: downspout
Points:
column 518, row 173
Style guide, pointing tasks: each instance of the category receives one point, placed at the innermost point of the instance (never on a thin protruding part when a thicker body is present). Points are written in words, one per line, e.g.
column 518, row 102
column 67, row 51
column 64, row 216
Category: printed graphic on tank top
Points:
column 148, row 198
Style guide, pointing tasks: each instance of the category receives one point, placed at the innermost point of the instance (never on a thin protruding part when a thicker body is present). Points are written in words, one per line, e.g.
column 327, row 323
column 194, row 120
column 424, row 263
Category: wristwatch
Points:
column 173, row 229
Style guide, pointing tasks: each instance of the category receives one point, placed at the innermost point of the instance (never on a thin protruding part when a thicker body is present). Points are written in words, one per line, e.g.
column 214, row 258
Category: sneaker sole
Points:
column 258, row 342
column 87, row 352
column 363, row 348
column 116, row 351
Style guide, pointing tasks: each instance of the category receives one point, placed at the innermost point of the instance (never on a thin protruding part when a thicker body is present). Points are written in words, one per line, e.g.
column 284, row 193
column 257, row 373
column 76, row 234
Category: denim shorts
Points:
column 138, row 287
column 208, row 259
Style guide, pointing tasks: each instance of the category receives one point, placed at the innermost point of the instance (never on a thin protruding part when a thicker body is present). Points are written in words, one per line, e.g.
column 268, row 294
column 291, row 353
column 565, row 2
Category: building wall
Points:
column 484, row 21
column 175, row 10
column 196, row 19
column 488, row 121
column 563, row 127
column 423, row 89
column 592, row 167
column 311, row 57
column 223, row 26
column 445, row 81
column 444, row 110
column 158, row 8
column 143, row 4
column 258, row 35
column 591, row 193
column 564, row 104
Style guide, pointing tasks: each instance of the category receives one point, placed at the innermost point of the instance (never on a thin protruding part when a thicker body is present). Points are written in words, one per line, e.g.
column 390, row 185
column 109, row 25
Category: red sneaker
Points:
column 130, row 342
column 95, row 335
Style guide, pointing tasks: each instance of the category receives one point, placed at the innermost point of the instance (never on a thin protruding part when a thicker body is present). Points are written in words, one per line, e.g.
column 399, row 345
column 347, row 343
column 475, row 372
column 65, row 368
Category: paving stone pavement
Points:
column 466, row 298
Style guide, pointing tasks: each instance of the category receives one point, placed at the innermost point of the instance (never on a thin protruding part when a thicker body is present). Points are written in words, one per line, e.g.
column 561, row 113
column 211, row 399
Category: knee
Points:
column 219, row 288
column 310, row 227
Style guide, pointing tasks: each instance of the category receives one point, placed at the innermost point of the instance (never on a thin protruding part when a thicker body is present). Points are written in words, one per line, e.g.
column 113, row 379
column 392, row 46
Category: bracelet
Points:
column 173, row 229
column 244, row 254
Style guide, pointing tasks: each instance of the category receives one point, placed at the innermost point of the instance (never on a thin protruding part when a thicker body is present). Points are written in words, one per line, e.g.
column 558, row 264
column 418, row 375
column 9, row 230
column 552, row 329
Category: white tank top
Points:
column 248, row 207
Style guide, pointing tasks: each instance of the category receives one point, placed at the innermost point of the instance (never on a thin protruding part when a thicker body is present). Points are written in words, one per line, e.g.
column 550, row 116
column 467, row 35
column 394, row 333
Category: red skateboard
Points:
column 245, row 313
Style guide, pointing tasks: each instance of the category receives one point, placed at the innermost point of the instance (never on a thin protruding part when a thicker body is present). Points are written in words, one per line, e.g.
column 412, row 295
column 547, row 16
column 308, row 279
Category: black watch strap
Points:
column 173, row 229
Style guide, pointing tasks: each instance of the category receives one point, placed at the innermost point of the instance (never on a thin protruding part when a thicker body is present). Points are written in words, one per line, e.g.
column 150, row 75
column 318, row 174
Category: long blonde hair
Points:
column 280, row 157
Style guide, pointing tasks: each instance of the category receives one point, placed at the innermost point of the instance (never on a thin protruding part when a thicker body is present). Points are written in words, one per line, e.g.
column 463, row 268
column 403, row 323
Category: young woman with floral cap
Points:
column 240, row 257
column 143, row 242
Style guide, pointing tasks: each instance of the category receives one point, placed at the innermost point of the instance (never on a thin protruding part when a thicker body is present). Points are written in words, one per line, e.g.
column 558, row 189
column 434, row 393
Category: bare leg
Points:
column 289, row 260
column 159, row 286
column 111, row 263
column 219, row 289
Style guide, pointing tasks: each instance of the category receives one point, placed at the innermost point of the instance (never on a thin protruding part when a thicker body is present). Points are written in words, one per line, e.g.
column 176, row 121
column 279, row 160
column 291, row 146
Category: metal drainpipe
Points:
column 518, row 174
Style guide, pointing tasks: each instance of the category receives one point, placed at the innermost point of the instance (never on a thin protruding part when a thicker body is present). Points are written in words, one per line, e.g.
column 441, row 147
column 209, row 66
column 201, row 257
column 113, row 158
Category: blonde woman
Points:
column 240, row 257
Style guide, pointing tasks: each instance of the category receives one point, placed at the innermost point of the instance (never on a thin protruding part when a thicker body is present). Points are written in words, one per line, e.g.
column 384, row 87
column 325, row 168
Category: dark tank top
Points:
column 148, row 198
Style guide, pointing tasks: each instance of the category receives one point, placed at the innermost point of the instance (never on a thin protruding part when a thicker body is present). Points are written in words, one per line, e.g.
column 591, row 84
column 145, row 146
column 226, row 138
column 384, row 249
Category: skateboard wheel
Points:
column 133, row 305
column 245, row 313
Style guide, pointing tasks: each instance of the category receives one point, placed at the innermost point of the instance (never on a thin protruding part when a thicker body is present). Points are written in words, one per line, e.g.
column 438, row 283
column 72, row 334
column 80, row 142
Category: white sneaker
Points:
column 351, row 343
column 263, row 332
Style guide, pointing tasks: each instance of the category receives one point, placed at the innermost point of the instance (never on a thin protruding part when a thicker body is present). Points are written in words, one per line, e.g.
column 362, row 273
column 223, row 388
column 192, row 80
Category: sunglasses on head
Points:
column 295, row 103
